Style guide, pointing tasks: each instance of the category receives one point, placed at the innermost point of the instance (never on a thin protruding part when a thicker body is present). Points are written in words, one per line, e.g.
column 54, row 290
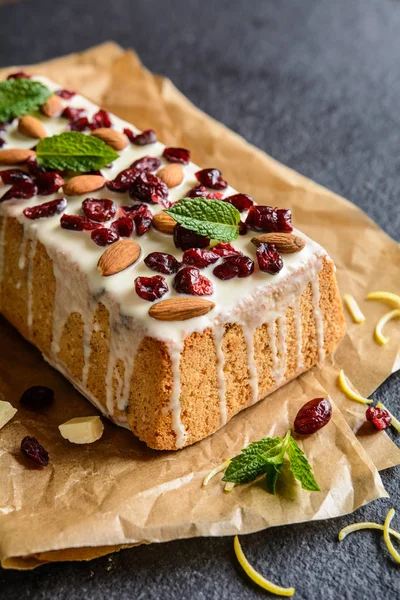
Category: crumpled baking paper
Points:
column 99, row 498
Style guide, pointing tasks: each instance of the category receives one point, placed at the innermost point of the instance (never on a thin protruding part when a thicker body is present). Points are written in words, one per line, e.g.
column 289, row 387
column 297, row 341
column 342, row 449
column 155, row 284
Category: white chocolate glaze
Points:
column 250, row 302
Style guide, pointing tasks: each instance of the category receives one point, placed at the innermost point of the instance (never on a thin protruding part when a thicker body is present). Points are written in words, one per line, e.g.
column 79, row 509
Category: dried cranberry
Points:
column 240, row 201
column 142, row 139
column 80, row 124
column 143, row 222
column 151, row 288
column 33, row 167
column 124, row 226
column 240, row 266
column 189, row 280
column 185, row 239
column 124, row 180
column 314, row 415
column 162, row 263
column 104, row 236
column 66, row 94
column 379, row 417
column 225, row 249
column 10, row 176
column 284, row 219
column 72, row 114
column 200, row 258
column 146, row 163
column 78, row 223
column 99, row 210
column 136, row 209
column 35, row 451
column 200, row 191
column 19, row 75
column 49, row 183
column 149, row 188
column 266, row 218
column 268, row 258
column 22, row 190
column 48, row 209
column 101, row 119
column 37, row 396
column 211, row 178
column 242, row 228
column 177, row 155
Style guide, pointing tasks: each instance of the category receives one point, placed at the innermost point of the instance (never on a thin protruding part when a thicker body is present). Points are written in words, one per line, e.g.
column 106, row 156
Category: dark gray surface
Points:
column 316, row 84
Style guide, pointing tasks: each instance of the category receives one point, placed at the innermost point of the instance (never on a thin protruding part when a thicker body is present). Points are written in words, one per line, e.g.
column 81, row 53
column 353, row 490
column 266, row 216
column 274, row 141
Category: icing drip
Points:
column 87, row 334
column 22, row 252
column 298, row 332
column 175, row 351
column 319, row 321
column 253, row 375
column 218, row 337
column 282, row 356
column 274, row 350
column 32, row 251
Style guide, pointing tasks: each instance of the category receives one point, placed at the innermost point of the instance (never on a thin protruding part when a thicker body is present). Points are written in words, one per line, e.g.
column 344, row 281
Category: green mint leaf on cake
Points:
column 74, row 151
column 300, row 467
column 211, row 218
column 20, row 96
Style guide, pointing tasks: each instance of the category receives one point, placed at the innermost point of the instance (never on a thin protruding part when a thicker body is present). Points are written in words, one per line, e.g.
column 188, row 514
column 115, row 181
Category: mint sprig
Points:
column 74, row 151
column 266, row 457
column 211, row 218
column 20, row 96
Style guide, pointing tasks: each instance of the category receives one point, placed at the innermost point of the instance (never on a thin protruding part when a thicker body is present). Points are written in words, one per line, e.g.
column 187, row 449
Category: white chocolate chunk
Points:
column 7, row 411
column 82, row 430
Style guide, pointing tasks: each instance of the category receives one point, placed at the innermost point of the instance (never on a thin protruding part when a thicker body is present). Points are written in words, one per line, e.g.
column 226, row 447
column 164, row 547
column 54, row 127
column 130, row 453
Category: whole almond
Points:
column 118, row 257
column 115, row 139
column 171, row 175
column 14, row 156
column 286, row 243
column 31, row 127
column 83, row 184
column 180, row 309
column 52, row 107
column 164, row 223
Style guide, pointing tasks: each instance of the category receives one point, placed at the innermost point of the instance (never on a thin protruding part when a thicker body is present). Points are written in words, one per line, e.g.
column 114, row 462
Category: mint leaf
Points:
column 74, row 151
column 212, row 218
column 300, row 467
column 272, row 473
column 20, row 96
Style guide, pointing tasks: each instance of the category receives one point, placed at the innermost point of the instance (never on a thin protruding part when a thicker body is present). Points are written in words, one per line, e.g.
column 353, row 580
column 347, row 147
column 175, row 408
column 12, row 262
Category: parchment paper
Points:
column 96, row 499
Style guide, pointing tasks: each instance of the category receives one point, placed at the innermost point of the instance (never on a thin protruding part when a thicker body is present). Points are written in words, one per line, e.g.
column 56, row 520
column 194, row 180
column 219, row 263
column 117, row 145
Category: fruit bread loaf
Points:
column 170, row 327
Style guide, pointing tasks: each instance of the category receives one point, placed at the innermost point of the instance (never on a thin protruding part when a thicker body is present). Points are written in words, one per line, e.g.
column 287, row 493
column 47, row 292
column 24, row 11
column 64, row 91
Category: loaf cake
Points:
column 215, row 330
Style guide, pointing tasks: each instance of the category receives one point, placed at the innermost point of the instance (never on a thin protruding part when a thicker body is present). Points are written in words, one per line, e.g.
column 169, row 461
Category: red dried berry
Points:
column 35, row 451
column 379, row 417
column 101, row 119
column 66, row 94
column 99, row 210
column 200, row 191
column 22, row 190
column 47, row 209
column 33, row 167
column 149, row 188
column 10, row 176
column 284, row 219
column 242, row 228
column 266, row 218
column 78, row 223
column 72, row 114
column 151, row 288
column 124, row 180
column 314, row 415
column 146, row 163
column 211, row 178
column 124, row 226
column 143, row 222
column 80, row 124
column 49, row 183
column 104, row 236
column 200, row 258
column 136, row 209
column 189, row 280
column 37, row 396
column 162, row 263
column 225, row 249
column 177, row 155
column 185, row 239
column 142, row 139
column 234, row 266
column 268, row 258
column 19, row 75
column 240, row 201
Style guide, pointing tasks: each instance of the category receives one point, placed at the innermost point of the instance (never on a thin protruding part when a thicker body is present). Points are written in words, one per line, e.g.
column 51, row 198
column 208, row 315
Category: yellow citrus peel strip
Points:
column 378, row 334
column 365, row 525
column 344, row 386
column 216, row 470
column 228, row 487
column 353, row 308
column 387, row 297
column 257, row 577
column 394, row 422
column 386, row 535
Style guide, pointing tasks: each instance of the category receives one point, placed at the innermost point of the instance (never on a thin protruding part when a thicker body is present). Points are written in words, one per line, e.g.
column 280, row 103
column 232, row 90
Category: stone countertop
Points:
column 316, row 85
